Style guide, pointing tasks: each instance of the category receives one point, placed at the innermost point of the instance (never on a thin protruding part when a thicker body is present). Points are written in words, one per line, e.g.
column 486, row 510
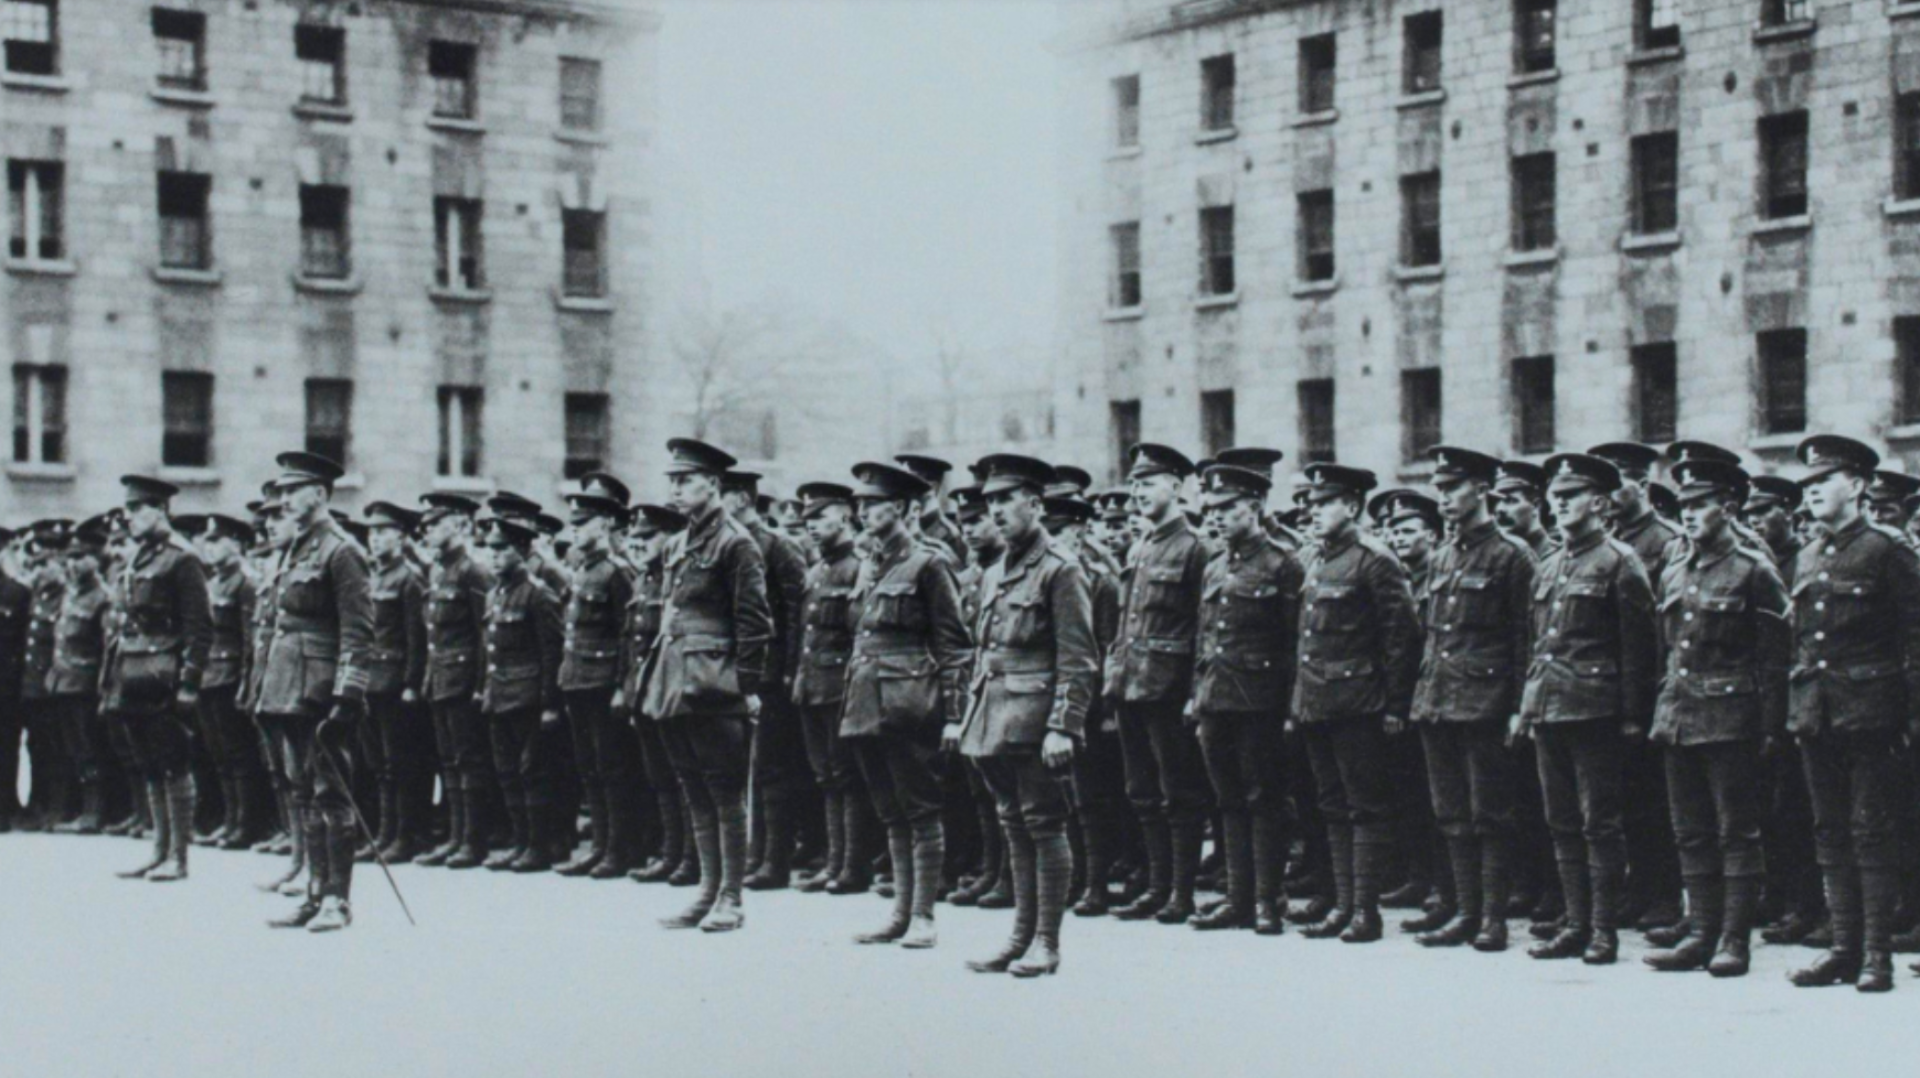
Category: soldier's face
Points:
column 1461, row 499
column 1327, row 517
column 827, row 526
column 1235, row 520
column 1886, row 513
column 979, row 533
column 144, row 518
column 880, row 515
column 1016, row 513
column 691, row 492
column 1770, row 520
column 383, row 542
column 1575, row 509
column 1704, row 518
column 1831, row 496
column 1411, row 539
column 503, row 556
column 1515, row 512
column 1153, row 495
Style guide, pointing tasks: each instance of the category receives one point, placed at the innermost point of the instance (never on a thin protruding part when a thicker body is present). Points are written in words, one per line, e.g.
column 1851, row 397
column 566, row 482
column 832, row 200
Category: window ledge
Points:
column 1317, row 288
column 1791, row 31
column 190, row 477
column 1124, row 153
column 1533, row 78
column 1775, row 443
column 589, row 304
column 1902, row 9
column 179, row 275
column 1664, row 54
column 1905, row 432
column 463, row 484
column 328, row 286
column 1317, row 119
column 1900, row 207
column 1783, row 225
column 1646, row 242
column 1124, row 314
column 1421, row 100
column 581, row 138
column 40, row 84
column 42, row 267
column 469, row 296
column 1217, row 134
column 321, row 110
column 41, row 473
column 1528, row 259
column 457, row 124
column 1214, row 303
column 1409, row 274
column 175, row 95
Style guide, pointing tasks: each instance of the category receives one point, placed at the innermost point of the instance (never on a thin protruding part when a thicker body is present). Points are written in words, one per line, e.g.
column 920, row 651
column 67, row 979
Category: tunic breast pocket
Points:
column 1028, row 619
column 895, row 605
column 1250, row 604
column 1334, row 608
column 1160, row 587
column 1582, row 606
column 1853, row 604
column 827, row 607
column 1471, row 602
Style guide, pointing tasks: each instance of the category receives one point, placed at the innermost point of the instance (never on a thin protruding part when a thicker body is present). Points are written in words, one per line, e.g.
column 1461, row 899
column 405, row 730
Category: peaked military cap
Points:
column 598, row 501
column 886, row 481
column 1010, row 471
column 1664, row 502
column 1824, row 454
column 1452, row 463
column 1709, row 477
column 1681, row 452
column 738, row 482
column 222, row 526
column 1074, row 476
column 1113, row 504
column 389, row 515
column 1223, row 484
column 508, row 504
column 765, row 504
column 518, row 531
column 1765, row 491
column 931, row 470
column 1067, row 510
column 1393, row 506
column 146, row 490
column 1148, row 459
column 1327, row 480
column 440, row 503
column 653, row 519
column 299, row 468
column 1581, row 471
column 1252, row 458
column 548, row 524
column 1522, row 477
column 1889, row 486
column 970, row 504
column 1626, row 456
column 817, row 495
column 191, row 525
column 602, row 485
column 88, row 538
column 689, row 455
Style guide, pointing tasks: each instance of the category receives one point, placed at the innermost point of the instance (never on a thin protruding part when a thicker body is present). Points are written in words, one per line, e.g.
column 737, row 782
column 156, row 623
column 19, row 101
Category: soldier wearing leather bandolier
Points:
column 74, row 682
column 315, row 681
column 676, row 864
column 819, row 688
column 150, row 677
column 273, row 735
column 519, row 686
column 397, row 739
column 604, row 750
column 457, row 586
column 707, row 674
column 904, row 677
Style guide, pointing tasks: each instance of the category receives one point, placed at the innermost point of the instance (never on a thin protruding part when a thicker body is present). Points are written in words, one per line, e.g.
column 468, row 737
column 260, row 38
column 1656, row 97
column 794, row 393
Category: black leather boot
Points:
column 1052, row 867
column 1841, row 964
column 929, row 859
column 775, row 871
column 518, row 836
column 727, row 913
column 1158, row 840
column 900, row 848
column 472, row 851
column 1184, row 846
column 1369, row 860
column 706, row 845
column 1575, row 932
column 1236, row 840
column 1340, row 840
column 1736, row 927
column 1879, row 899
column 537, row 855
column 583, row 862
column 179, row 808
column 1026, row 917
column 162, row 843
column 1706, row 905
column 836, row 822
column 1097, row 836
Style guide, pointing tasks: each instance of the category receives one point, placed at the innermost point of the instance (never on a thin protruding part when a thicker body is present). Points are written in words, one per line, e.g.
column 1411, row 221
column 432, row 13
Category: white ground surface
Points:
column 545, row 976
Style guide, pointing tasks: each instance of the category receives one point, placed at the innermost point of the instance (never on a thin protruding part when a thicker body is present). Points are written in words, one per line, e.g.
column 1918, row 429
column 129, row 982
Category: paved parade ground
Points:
column 540, row 975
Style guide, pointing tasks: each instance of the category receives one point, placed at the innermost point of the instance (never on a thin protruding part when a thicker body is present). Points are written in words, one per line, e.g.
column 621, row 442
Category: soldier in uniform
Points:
column 151, row 675
column 74, row 682
column 278, row 535
column 707, row 674
column 520, row 694
column 992, row 886
column 43, row 741
column 930, row 521
column 1359, row 657
column 1854, row 695
column 906, row 673
column 16, row 611
column 1653, row 865
column 397, row 737
column 819, row 686
column 1471, row 676
column 1149, row 678
column 651, row 528
column 229, row 732
column 1034, row 675
column 1519, row 493
column 1723, row 625
column 1242, row 684
column 603, row 746
column 779, row 751
column 457, row 587
column 1592, row 672
column 1887, row 494
column 315, row 681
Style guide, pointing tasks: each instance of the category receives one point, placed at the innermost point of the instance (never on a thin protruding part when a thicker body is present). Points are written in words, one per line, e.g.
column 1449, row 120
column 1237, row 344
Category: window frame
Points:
column 1649, row 35
column 1772, row 348
column 1536, row 36
column 1785, row 12
column 1533, row 386
column 600, row 407
column 1316, row 401
column 1656, row 391
column 1655, row 191
column 1423, row 61
column 456, row 95
column 1906, row 375
column 1124, row 283
column 36, row 209
column 331, row 39
column 1535, row 183
column 461, row 414
column 1218, row 269
column 1420, row 240
column 1319, row 56
column 1786, row 152
column 1218, row 420
column 192, row 232
column 1124, row 429
column 1317, row 218
column 187, row 440
column 192, row 34
column 319, row 439
column 33, row 56
column 40, row 413
column 1218, row 78
column 573, row 281
column 569, row 114
column 1422, row 412
column 1123, row 91
column 313, row 247
column 461, row 248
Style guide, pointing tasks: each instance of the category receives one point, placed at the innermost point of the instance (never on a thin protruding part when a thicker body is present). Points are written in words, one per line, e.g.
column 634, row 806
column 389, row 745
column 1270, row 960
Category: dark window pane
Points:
column 35, row 209
column 1783, row 381
column 1318, row 66
column 1216, row 92
column 1123, row 421
column 32, row 33
column 1125, row 290
column 1656, row 23
column 1655, row 400
column 1906, row 340
column 1533, row 404
column 1778, row 12
column 180, row 38
column 325, row 237
column 1533, row 202
column 39, row 414
column 1906, row 146
column 588, row 434
column 321, row 52
column 1420, row 209
column 1126, row 111
column 1316, row 420
column 1216, row 251
column 1316, row 236
column 187, row 419
column 330, row 418
column 1216, row 420
column 583, row 240
column 1423, row 40
column 579, row 94
column 451, row 66
column 1535, row 34
column 460, row 431
column 1783, row 165
column 1656, row 174
column 458, row 244
column 1419, row 412
column 183, row 220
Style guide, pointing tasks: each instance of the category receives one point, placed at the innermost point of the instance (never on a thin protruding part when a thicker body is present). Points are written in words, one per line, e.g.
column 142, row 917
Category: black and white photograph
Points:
column 959, row 538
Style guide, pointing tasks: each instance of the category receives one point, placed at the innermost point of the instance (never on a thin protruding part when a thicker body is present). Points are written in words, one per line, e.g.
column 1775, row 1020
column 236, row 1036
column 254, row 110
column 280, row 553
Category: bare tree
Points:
column 949, row 364
column 727, row 358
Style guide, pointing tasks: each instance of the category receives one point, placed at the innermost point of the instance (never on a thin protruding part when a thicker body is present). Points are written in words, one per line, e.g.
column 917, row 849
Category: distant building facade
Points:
column 1360, row 228
column 409, row 234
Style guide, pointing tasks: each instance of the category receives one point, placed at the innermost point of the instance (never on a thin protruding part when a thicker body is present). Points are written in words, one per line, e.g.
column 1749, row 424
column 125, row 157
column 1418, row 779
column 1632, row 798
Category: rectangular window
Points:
column 180, row 37
column 32, row 32
column 1656, row 182
column 1533, row 202
column 1126, row 111
column 460, row 413
column 1123, row 423
column 1318, row 62
column 1419, row 412
column 589, row 434
column 1906, row 146
column 35, row 196
column 1782, row 12
column 1216, row 92
column 1216, row 251
column 186, row 403
column 322, row 53
column 1783, row 165
column 584, row 239
column 1783, row 381
column 330, row 418
column 1906, row 341
column 1423, row 33
column 457, row 243
column 451, row 64
column 1533, row 405
column 1125, row 285
column 1316, row 419
column 1656, row 23
column 1535, row 32
column 1316, row 261
column 1420, row 219
column 1655, row 392
column 579, row 94
column 1216, row 420
column 326, row 249
column 39, row 414
column 185, row 238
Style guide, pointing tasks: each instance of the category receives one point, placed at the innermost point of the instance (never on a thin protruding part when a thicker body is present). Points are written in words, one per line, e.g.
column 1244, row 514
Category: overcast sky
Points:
column 884, row 163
